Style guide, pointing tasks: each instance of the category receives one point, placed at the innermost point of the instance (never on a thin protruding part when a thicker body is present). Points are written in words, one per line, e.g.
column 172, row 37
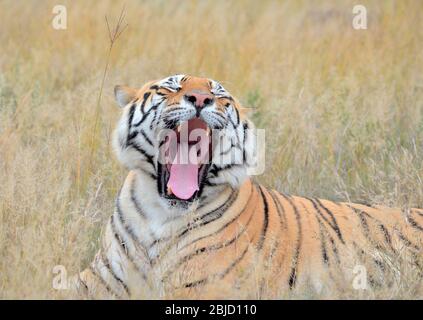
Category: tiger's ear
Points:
column 245, row 112
column 124, row 95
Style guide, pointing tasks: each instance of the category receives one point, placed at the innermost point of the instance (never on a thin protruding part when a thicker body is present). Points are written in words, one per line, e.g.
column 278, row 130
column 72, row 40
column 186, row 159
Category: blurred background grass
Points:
column 342, row 108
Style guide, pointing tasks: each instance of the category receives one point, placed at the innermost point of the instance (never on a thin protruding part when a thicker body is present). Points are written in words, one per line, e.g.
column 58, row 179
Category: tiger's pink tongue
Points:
column 183, row 179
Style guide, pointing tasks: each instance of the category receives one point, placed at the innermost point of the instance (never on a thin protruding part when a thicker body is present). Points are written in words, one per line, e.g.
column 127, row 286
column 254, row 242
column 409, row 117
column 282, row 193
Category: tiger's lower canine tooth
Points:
column 169, row 191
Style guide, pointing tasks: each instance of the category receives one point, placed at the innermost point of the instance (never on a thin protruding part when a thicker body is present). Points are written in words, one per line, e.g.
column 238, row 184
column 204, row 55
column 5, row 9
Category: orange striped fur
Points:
column 234, row 240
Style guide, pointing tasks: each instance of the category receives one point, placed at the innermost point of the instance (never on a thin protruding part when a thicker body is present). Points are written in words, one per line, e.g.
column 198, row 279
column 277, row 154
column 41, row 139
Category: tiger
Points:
column 201, row 227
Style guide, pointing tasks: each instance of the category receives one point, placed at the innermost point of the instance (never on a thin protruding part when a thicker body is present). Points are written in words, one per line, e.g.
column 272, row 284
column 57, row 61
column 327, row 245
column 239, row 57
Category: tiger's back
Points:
column 272, row 243
column 268, row 243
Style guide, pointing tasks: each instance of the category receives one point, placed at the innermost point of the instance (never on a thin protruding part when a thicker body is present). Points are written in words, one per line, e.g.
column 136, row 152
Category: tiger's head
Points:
column 187, row 135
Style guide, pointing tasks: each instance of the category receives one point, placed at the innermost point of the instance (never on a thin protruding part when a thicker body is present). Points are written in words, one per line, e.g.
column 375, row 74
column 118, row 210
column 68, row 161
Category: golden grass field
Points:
column 342, row 109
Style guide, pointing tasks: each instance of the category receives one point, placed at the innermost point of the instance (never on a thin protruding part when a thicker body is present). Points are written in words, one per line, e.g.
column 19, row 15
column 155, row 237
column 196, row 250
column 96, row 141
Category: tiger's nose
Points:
column 199, row 99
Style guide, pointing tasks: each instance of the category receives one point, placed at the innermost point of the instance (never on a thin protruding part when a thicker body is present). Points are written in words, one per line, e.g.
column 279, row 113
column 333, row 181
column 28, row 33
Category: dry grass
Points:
column 342, row 109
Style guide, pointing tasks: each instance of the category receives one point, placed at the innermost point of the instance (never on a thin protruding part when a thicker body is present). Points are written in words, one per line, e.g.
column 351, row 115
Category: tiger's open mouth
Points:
column 185, row 155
